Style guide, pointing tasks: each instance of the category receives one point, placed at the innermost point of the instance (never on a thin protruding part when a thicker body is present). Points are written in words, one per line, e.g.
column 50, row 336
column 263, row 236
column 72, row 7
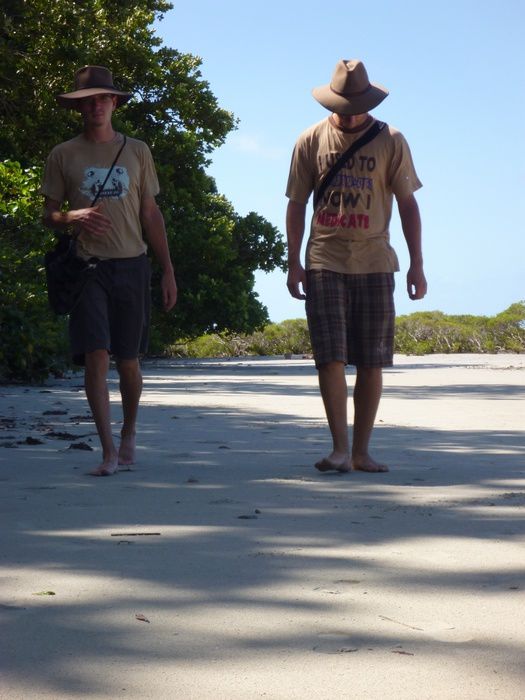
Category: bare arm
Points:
column 295, row 220
column 89, row 219
column 153, row 224
column 411, row 224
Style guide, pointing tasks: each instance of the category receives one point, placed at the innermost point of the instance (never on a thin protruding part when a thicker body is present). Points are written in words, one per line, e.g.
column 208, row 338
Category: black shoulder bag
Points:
column 374, row 130
column 66, row 273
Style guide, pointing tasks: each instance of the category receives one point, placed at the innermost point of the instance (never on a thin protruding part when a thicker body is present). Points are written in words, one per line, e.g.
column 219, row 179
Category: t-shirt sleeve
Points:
column 301, row 178
column 53, row 184
column 149, row 183
column 402, row 173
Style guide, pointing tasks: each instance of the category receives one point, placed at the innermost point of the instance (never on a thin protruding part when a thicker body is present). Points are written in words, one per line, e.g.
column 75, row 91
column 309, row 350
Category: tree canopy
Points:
column 215, row 251
column 42, row 44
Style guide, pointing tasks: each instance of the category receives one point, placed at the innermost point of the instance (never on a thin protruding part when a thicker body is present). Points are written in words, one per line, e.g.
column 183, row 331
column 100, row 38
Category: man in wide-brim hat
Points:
column 111, row 316
column 348, row 277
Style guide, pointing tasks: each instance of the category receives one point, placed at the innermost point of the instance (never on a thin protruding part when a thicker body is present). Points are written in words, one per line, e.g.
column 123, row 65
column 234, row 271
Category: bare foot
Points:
column 365, row 463
column 337, row 461
column 107, row 468
column 126, row 453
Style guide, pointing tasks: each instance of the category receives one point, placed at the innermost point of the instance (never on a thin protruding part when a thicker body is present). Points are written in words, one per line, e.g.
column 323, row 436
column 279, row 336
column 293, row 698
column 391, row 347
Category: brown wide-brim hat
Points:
column 92, row 80
column 350, row 91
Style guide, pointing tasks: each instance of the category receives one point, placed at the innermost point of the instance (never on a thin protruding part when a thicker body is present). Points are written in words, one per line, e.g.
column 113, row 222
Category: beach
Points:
column 223, row 565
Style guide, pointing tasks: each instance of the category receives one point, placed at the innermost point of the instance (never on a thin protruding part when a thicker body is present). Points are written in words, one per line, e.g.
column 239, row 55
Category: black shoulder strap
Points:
column 336, row 167
column 101, row 188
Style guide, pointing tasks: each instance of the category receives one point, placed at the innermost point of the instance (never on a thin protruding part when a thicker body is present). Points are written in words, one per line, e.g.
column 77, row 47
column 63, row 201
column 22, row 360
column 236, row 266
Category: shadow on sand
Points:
column 234, row 512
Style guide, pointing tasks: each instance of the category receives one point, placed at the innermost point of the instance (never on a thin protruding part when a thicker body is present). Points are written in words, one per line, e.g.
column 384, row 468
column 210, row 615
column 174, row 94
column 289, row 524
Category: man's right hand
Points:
column 91, row 220
column 296, row 282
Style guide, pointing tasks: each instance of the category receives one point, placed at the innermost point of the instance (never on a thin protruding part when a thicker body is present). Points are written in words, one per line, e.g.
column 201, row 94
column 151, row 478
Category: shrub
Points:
column 32, row 340
column 433, row 332
column 275, row 339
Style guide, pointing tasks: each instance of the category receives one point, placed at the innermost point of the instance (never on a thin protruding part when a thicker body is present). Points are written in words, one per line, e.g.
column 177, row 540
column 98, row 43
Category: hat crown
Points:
column 350, row 91
column 93, row 77
column 89, row 81
column 350, row 78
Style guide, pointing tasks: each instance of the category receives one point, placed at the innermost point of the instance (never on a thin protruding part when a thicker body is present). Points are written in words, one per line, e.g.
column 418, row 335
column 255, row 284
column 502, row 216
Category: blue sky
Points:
column 455, row 71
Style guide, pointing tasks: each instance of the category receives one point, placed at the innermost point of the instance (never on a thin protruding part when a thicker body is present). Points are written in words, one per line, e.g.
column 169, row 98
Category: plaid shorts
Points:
column 114, row 310
column 351, row 318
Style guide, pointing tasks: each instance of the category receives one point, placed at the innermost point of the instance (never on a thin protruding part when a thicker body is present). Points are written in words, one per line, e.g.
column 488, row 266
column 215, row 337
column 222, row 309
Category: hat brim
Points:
column 359, row 104
column 69, row 99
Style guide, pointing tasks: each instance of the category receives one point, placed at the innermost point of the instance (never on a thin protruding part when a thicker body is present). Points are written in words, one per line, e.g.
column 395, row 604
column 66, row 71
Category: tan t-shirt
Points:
column 74, row 172
column 349, row 232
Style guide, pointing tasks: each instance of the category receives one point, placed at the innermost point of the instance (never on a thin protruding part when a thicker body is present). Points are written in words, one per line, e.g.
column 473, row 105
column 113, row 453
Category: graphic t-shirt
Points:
column 349, row 231
column 74, row 172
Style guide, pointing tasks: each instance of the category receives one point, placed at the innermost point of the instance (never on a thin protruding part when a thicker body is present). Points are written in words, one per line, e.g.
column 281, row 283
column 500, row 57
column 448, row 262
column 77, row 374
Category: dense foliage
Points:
column 32, row 342
column 416, row 334
column 434, row 332
column 286, row 338
column 215, row 250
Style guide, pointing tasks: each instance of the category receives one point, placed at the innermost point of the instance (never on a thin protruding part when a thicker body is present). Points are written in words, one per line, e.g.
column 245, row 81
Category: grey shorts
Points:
column 351, row 318
column 113, row 313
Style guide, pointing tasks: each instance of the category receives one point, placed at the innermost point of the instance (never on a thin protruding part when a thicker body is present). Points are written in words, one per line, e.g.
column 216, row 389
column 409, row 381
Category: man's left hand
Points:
column 416, row 282
column 169, row 290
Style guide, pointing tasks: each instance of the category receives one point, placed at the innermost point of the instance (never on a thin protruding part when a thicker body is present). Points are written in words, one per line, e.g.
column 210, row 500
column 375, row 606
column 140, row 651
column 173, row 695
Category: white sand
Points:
column 261, row 578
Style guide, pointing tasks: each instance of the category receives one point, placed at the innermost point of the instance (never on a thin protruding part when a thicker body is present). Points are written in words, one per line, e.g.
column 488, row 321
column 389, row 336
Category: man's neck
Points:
column 354, row 122
column 104, row 134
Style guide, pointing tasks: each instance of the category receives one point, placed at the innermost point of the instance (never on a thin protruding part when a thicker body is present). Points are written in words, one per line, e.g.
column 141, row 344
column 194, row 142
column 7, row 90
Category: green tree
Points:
column 215, row 251
column 32, row 341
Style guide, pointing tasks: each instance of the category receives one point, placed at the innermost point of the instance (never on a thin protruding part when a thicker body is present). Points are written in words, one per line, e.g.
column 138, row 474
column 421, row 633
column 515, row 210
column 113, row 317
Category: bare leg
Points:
column 95, row 379
column 367, row 394
column 334, row 392
column 130, row 391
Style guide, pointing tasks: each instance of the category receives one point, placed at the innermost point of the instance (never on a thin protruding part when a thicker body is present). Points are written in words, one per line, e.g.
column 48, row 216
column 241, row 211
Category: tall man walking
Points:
column 112, row 315
column 348, row 282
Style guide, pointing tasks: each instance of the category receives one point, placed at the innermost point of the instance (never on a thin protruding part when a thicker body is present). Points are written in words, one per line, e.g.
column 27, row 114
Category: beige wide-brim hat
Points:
column 350, row 91
column 92, row 80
